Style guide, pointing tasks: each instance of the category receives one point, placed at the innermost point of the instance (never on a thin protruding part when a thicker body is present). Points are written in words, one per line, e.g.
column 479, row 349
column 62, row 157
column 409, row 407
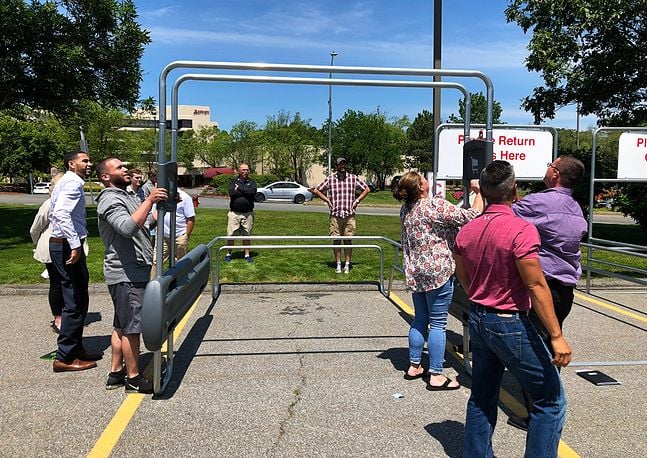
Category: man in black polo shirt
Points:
column 240, row 218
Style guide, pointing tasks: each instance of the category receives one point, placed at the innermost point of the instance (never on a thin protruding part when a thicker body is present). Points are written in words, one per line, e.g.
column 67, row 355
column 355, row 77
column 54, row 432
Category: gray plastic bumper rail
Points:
column 166, row 300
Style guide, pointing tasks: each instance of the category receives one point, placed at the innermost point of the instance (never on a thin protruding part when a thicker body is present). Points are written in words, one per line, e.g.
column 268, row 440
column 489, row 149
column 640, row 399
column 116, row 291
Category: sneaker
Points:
column 338, row 269
column 138, row 384
column 347, row 269
column 228, row 258
column 249, row 259
column 116, row 379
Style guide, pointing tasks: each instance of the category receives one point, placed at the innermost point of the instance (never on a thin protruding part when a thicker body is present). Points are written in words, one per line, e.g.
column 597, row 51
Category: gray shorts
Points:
column 127, row 301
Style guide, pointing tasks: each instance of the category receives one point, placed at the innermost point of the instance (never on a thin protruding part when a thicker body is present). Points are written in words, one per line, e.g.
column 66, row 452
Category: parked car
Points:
column 372, row 186
column 42, row 187
column 284, row 190
column 604, row 203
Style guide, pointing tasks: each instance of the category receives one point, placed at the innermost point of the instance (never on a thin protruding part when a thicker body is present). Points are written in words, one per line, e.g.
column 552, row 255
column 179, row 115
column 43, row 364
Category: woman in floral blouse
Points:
column 429, row 227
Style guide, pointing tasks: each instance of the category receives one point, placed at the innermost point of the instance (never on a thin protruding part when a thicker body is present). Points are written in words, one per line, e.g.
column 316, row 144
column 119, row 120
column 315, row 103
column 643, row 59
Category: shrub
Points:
column 220, row 183
column 264, row 180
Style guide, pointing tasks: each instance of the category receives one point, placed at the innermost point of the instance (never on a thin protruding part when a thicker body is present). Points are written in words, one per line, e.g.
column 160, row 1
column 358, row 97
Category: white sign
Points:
column 527, row 150
column 632, row 156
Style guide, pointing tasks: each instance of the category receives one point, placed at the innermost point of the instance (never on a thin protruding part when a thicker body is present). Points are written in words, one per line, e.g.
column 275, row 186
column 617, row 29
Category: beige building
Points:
column 198, row 115
column 190, row 117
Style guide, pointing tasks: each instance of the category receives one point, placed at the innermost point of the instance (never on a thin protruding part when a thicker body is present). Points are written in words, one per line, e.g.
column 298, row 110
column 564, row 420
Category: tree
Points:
column 57, row 52
column 369, row 144
column 209, row 144
column 290, row 145
column 589, row 52
column 30, row 146
column 420, row 143
column 245, row 139
column 478, row 108
column 102, row 132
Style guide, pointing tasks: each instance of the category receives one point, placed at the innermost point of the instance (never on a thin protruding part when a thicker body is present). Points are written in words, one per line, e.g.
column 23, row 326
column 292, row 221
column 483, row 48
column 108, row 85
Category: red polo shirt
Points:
column 489, row 245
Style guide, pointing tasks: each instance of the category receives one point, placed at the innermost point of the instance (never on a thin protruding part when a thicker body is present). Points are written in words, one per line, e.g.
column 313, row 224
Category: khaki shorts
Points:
column 181, row 248
column 342, row 226
column 240, row 223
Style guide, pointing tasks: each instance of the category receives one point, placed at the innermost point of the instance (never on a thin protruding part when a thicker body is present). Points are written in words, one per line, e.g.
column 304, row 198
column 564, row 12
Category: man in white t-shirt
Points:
column 184, row 222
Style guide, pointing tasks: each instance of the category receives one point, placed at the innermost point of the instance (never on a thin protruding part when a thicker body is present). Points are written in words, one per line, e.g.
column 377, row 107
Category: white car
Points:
column 284, row 190
column 42, row 187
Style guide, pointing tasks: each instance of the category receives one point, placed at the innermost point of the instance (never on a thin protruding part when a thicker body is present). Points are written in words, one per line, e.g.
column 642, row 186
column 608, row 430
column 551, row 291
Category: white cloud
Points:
column 157, row 13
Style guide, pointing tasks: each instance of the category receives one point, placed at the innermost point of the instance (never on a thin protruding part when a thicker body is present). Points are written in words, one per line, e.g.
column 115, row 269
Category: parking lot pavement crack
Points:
column 297, row 393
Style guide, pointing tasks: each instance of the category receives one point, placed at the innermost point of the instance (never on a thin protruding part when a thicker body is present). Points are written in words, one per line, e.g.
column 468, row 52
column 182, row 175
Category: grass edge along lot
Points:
column 270, row 266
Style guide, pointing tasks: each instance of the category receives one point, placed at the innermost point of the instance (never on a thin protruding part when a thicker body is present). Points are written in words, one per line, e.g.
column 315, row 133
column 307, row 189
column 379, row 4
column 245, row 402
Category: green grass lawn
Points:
column 271, row 266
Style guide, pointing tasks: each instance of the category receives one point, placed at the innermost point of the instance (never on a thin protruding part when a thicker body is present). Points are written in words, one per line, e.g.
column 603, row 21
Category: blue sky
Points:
column 373, row 33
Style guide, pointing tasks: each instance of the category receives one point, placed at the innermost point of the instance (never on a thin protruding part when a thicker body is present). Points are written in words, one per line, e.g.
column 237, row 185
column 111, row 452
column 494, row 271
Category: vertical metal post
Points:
column 332, row 59
column 577, row 125
column 438, row 25
column 83, row 146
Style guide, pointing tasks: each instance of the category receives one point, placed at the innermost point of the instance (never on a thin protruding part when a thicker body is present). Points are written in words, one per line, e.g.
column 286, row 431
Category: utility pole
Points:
column 438, row 26
column 332, row 59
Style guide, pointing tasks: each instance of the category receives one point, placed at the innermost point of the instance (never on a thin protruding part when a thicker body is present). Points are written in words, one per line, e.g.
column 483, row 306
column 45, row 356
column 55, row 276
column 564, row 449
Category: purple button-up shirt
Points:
column 561, row 225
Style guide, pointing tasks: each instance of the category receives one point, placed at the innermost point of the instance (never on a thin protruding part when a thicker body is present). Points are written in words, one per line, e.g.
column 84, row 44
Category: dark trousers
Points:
column 74, row 286
column 55, row 290
column 563, row 302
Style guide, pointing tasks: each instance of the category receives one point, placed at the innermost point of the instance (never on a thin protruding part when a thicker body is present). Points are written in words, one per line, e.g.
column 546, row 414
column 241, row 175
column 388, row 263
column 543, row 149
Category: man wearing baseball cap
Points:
column 338, row 191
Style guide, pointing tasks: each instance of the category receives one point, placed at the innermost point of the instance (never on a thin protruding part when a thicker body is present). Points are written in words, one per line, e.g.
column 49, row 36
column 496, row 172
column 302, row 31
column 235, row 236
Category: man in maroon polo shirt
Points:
column 497, row 263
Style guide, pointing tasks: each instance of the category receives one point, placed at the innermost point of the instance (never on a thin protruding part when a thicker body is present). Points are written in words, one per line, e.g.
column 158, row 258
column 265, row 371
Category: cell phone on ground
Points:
column 597, row 378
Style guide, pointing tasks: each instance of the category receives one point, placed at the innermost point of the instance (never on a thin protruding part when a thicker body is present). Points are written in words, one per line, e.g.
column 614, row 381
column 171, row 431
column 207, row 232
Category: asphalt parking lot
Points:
column 303, row 370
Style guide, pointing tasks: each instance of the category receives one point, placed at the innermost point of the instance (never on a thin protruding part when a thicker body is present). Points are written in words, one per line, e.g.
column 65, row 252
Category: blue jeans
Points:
column 511, row 342
column 429, row 324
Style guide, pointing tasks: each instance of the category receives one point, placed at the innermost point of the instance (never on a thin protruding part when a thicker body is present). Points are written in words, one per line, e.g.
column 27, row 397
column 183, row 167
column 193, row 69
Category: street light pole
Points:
column 332, row 59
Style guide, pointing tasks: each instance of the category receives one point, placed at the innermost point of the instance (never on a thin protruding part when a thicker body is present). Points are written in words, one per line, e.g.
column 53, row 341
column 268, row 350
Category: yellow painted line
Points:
column 116, row 427
column 406, row 308
column 108, row 439
column 563, row 451
column 608, row 306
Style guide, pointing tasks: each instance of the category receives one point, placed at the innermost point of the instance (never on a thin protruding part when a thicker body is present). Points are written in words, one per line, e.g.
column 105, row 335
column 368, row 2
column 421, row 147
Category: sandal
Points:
column 414, row 377
column 444, row 387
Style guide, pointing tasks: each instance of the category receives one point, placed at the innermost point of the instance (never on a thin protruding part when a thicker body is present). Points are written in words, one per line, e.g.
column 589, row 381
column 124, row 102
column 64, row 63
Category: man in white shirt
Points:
column 184, row 222
column 69, row 230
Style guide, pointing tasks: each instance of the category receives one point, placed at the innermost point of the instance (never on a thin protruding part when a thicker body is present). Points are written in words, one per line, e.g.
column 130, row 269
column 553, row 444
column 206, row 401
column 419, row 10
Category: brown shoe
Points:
column 75, row 365
column 85, row 356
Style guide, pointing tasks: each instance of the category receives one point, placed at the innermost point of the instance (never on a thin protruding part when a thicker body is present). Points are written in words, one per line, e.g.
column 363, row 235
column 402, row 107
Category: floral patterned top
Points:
column 429, row 230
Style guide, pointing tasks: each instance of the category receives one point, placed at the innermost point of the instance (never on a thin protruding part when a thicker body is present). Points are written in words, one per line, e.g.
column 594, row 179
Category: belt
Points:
column 482, row 309
column 62, row 240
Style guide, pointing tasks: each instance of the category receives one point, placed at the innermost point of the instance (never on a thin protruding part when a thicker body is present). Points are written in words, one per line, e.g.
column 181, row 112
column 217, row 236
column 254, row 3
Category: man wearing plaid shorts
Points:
column 338, row 191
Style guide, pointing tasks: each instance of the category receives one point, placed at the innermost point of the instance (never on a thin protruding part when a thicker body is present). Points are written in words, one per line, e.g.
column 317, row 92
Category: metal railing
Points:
column 626, row 249
column 215, row 257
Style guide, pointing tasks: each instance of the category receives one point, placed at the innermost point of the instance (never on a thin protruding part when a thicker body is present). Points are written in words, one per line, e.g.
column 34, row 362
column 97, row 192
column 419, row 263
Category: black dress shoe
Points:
column 85, row 356
column 73, row 366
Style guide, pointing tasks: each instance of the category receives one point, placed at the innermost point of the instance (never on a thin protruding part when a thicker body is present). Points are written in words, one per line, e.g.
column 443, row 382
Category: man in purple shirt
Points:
column 561, row 225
